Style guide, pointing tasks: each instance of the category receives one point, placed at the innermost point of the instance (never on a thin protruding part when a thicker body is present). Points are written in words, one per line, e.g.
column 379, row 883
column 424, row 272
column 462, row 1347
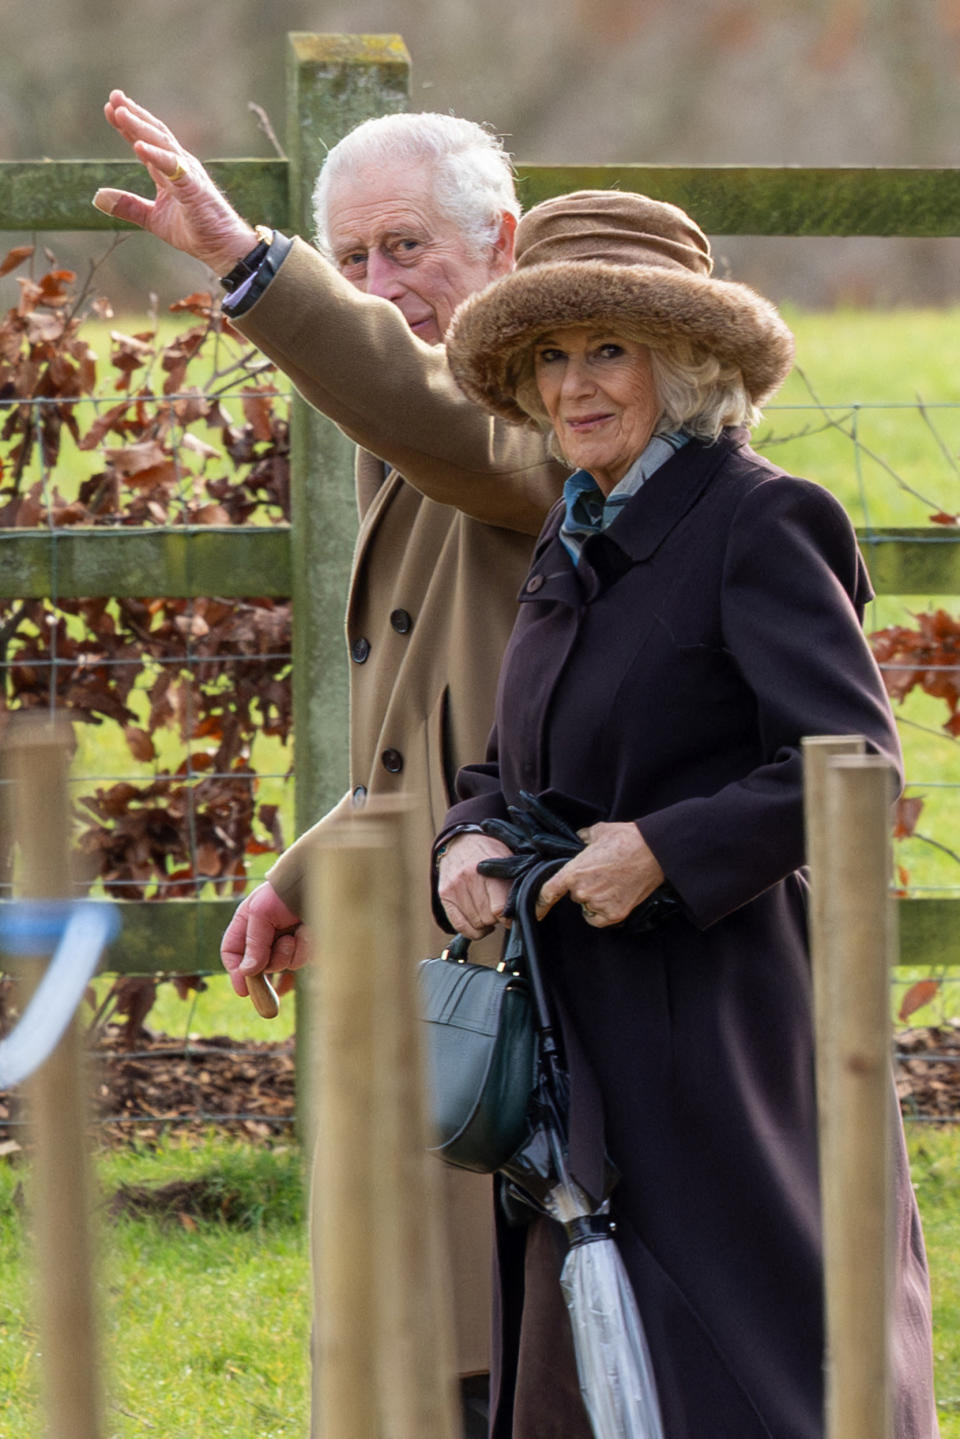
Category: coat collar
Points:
column 637, row 533
column 670, row 492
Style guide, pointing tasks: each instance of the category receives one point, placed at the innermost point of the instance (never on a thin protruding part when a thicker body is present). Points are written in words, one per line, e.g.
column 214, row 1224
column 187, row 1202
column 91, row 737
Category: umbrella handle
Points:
column 525, row 915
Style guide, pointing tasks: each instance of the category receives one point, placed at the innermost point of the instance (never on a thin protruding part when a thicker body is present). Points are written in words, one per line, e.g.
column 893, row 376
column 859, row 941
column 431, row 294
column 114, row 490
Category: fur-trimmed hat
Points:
column 615, row 260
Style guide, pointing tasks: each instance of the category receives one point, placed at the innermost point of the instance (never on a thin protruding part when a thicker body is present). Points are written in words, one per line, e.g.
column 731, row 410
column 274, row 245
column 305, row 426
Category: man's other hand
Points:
column 264, row 935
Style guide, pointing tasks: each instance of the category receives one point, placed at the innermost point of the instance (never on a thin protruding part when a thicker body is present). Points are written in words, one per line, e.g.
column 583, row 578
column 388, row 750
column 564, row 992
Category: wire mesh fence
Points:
column 181, row 704
column 182, row 707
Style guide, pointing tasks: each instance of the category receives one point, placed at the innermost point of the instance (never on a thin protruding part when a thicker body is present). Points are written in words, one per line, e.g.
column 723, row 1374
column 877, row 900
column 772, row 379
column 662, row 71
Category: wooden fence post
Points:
column 38, row 758
column 333, row 83
column 855, row 939
column 382, row 1363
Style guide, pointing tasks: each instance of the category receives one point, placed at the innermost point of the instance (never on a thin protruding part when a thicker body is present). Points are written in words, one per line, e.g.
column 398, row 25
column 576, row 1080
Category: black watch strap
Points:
column 250, row 263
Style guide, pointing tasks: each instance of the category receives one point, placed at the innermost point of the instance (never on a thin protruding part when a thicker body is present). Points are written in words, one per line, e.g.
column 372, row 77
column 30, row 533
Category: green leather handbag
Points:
column 481, row 1058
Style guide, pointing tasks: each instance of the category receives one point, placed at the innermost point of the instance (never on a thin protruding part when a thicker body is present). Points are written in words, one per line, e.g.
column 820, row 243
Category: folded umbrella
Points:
column 613, row 1359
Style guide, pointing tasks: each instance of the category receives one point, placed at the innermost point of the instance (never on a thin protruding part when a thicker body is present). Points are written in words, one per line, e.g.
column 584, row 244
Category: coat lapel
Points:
column 669, row 494
column 371, row 519
column 636, row 534
column 634, row 537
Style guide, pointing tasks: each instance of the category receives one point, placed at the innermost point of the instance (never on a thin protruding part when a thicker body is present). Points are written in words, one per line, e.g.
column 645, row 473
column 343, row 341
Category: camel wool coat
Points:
column 449, row 502
column 668, row 682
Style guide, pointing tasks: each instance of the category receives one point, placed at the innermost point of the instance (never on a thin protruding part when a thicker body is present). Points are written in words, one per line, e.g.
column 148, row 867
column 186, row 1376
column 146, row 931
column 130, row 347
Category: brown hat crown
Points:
column 614, row 228
column 621, row 262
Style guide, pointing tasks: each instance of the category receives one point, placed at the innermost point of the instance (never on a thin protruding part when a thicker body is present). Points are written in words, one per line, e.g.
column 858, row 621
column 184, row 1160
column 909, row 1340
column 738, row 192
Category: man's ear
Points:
column 504, row 243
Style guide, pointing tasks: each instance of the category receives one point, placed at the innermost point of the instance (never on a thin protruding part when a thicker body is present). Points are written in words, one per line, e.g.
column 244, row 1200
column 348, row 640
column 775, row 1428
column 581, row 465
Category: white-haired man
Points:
column 414, row 213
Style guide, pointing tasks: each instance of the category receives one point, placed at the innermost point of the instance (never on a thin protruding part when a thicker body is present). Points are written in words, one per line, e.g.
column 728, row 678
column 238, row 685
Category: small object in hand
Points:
column 264, row 996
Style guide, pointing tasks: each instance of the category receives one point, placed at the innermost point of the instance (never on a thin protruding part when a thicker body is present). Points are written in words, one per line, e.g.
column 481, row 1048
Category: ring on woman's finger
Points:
column 178, row 173
column 587, row 912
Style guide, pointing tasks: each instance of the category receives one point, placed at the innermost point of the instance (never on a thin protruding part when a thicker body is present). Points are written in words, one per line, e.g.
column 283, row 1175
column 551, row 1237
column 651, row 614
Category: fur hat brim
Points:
column 491, row 333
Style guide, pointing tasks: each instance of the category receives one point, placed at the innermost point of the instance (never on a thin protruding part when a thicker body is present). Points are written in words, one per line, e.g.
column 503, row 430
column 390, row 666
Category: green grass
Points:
column 216, row 1011
column 935, row 1163
column 205, row 1324
column 852, row 406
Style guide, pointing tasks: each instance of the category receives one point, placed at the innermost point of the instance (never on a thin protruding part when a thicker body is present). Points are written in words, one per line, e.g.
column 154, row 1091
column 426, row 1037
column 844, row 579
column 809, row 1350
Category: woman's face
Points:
column 598, row 391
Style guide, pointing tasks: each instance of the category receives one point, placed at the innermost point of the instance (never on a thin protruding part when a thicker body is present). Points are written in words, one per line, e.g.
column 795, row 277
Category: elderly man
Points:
column 415, row 213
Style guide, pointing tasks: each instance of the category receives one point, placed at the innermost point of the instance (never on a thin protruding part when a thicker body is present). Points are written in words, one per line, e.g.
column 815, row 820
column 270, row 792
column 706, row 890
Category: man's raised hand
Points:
column 188, row 211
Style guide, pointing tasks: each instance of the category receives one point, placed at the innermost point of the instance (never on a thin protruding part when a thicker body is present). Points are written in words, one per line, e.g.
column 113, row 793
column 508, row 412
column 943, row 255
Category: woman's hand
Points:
column 474, row 903
column 189, row 212
column 609, row 878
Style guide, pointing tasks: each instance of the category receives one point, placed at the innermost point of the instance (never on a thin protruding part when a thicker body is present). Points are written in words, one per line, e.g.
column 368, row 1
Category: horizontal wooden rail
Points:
column 726, row 199
column 776, row 200
column 182, row 936
column 913, row 561
column 176, row 562
column 58, row 194
column 176, row 936
column 243, row 560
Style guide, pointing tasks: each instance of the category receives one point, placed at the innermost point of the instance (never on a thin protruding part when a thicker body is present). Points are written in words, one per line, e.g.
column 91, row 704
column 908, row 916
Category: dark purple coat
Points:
column 669, row 682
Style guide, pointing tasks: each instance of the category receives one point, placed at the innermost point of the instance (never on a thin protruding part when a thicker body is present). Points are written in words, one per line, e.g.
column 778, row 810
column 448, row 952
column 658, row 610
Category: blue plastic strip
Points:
column 84, row 931
column 30, row 926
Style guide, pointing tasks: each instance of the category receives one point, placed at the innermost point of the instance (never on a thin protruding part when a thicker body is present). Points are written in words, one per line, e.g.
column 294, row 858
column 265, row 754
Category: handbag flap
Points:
column 482, row 1055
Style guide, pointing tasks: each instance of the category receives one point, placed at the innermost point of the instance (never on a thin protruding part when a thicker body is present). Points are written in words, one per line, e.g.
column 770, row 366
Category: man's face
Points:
column 389, row 239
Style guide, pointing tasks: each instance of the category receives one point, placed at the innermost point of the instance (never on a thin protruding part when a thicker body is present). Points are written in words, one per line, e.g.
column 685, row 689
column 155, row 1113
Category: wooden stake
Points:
column 413, row 1298
column 382, row 1361
column 857, row 943
column 344, row 927
column 817, row 753
column 57, row 1100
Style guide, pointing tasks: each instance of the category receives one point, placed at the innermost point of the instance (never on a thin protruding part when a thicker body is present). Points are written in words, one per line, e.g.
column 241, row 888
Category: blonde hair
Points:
column 698, row 394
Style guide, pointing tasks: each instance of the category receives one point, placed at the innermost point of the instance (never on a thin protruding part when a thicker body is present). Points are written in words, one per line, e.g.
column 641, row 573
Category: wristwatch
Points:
column 250, row 263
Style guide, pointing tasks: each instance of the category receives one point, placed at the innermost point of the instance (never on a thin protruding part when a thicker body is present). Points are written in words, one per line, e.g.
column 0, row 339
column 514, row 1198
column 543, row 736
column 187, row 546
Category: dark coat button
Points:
column 534, row 583
column 401, row 622
column 359, row 650
column 359, row 795
column 392, row 761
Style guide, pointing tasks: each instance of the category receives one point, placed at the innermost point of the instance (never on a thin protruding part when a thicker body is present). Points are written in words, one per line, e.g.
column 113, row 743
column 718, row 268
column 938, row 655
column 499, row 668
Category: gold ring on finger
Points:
column 178, row 173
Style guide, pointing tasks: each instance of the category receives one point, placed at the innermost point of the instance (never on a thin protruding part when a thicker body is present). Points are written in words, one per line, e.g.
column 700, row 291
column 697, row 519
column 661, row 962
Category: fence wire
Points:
column 172, row 656
column 180, row 706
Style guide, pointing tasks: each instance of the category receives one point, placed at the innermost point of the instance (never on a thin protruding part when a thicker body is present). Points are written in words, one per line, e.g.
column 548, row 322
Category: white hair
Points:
column 473, row 177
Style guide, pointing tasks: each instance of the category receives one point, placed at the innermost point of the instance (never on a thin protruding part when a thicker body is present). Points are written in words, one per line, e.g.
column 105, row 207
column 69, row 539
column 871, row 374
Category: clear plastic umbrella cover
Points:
column 613, row 1360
